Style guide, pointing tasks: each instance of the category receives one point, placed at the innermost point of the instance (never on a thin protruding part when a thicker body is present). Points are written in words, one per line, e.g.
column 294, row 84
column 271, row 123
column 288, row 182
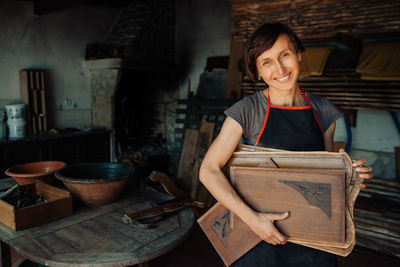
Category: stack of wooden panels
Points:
column 377, row 216
column 32, row 85
column 317, row 188
column 195, row 146
column 345, row 89
column 197, row 109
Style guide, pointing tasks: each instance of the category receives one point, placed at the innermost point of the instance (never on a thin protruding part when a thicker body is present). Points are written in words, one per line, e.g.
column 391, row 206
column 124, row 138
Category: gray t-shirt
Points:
column 249, row 112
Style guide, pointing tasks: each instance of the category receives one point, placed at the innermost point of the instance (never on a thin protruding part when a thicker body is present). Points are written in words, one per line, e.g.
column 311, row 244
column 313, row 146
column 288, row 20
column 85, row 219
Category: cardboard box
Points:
column 59, row 205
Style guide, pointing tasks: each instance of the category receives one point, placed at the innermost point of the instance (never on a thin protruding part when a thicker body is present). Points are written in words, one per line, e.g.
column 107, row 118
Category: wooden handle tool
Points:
column 155, row 214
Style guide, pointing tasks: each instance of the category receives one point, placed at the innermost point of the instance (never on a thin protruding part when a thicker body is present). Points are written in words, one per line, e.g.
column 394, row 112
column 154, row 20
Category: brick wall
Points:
column 145, row 29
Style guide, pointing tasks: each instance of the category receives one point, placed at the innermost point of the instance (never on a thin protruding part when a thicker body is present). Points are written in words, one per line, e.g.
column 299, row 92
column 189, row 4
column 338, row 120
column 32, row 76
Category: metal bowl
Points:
column 96, row 183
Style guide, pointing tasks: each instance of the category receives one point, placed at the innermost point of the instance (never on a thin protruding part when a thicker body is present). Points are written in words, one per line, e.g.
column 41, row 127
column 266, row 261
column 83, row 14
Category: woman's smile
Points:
column 279, row 66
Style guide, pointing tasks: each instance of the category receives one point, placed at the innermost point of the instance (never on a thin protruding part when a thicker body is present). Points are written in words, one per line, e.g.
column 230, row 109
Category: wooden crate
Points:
column 59, row 204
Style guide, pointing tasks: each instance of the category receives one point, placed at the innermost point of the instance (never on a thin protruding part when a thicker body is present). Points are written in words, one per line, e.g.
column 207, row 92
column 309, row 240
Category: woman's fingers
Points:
column 363, row 172
column 277, row 236
column 359, row 162
column 264, row 227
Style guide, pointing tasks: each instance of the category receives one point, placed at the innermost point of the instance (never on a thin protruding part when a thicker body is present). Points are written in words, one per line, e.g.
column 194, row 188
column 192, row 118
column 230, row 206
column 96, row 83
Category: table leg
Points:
column 5, row 255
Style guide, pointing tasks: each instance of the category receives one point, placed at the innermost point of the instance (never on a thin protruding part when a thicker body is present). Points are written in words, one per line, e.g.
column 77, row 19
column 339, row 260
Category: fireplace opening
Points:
column 139, row 110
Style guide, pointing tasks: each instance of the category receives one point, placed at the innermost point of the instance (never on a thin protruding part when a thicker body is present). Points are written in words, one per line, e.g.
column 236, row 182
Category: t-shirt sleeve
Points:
column 240, row 113
column 325, row 110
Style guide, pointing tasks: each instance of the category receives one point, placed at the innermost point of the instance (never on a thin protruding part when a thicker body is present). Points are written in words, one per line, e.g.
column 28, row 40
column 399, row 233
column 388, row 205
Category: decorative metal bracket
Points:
column 317, row 194
column 221, row 226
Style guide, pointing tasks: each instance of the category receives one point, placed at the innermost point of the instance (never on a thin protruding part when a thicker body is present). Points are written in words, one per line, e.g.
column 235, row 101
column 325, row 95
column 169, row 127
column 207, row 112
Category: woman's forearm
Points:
column 219, row 186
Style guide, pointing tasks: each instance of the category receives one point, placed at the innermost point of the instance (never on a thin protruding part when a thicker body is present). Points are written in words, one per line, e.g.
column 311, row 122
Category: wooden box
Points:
column 59, row 204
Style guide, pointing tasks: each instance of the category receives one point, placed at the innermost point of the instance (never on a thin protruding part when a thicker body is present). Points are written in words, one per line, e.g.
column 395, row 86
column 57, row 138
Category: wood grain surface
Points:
column 98, row 236
column 315, row 200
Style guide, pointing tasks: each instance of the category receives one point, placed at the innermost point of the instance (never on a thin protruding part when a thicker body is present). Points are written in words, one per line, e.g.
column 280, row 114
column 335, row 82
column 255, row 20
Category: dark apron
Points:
column 295, row 129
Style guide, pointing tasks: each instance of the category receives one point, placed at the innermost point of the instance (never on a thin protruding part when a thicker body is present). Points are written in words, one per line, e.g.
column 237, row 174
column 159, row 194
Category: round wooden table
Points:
column 98, row 236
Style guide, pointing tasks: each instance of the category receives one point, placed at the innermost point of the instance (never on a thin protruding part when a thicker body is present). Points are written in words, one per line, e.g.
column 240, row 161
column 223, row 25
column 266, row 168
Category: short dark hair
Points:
column 263, row 39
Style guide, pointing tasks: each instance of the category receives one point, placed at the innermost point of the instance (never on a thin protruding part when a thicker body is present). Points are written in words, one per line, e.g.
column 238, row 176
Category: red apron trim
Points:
column 284, row 107
column 264, row 123
column 315, row 116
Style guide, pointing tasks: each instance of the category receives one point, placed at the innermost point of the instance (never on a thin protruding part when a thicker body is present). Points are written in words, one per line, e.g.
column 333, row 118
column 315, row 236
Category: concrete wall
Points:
column 203, row 29
column 55, row 42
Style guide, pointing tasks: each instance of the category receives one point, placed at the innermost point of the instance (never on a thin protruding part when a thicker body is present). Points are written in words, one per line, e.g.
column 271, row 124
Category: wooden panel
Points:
column 299, row 160
column 314, row 198
column 50, row 192
column 5, row 211
column 186, row 160
column 346, row 93
column 230, row 244
column 234, row 77
column 198, row 191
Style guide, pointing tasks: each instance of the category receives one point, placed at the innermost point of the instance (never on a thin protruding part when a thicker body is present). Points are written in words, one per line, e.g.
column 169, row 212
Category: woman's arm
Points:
column 213, row 178
column 364, row 172
column 328, row 137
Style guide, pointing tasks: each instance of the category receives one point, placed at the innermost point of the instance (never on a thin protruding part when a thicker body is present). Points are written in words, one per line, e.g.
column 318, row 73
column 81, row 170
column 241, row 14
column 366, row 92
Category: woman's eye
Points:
column 285, row 54
column 266, row 62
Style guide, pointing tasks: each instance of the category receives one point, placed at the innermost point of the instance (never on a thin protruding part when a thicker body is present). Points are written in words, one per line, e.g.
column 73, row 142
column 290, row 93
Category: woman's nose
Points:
column 281, row 68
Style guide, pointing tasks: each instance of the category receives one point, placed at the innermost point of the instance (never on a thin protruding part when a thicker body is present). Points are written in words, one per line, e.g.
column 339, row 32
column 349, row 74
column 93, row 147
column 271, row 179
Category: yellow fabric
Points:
column 380, row 61
column 313, row 60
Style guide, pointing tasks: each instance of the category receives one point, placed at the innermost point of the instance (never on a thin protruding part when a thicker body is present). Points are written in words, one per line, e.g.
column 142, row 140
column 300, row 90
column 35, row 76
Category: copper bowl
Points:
column 42, row 170
column 96, row 183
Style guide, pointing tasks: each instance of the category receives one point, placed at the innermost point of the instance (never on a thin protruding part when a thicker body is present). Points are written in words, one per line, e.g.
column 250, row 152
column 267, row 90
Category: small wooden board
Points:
column 315, row 200
column 230, row 244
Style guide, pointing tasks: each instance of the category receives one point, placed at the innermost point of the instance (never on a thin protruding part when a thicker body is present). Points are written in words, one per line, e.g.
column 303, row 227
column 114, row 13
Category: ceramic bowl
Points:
column 96, row 183
column 42, row 170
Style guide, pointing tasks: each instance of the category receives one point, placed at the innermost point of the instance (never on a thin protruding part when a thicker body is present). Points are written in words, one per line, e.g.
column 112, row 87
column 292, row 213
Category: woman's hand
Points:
column 263, row 226
column 364, row 172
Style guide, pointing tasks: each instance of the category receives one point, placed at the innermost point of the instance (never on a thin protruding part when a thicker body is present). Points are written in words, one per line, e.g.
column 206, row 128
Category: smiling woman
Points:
column 279, row 66
column 282, row 116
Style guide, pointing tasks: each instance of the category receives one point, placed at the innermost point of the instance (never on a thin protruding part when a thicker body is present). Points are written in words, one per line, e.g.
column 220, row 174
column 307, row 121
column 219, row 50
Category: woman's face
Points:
column 279, row 66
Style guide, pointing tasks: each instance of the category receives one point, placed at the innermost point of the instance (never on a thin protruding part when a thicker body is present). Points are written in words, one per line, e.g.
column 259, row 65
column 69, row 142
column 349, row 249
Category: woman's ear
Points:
column 299, row 56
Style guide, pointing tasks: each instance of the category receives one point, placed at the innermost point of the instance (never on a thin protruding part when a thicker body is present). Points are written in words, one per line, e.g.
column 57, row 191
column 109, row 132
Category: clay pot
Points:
column 42, row 170
column 96, row 183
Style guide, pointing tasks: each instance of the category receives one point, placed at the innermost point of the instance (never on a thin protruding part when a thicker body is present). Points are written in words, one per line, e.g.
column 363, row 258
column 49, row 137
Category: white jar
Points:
column 16, row 129
column 15, row 112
